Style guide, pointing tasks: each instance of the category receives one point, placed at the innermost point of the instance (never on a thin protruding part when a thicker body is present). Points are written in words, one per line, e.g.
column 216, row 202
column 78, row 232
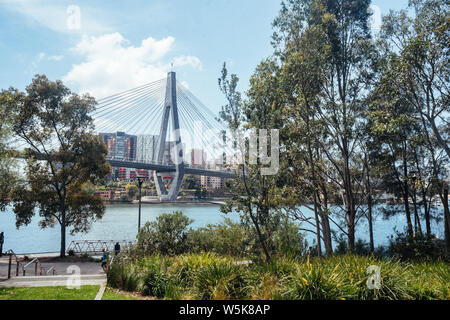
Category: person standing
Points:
column 2, row 239
column 117, row 248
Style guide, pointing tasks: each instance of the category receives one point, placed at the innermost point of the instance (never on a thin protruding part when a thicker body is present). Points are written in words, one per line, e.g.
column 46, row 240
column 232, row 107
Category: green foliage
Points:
column 227, row 238
column 63, row 154
column 166, row 235
column 417, row 248
column 219, row 281
column 132, row 190
column 8, row 175
column 155, row 282
column 208, row 276
column 123, row 276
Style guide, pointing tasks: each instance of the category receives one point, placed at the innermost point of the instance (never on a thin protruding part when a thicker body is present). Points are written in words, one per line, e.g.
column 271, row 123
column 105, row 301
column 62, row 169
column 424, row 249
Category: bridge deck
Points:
column 169, row 168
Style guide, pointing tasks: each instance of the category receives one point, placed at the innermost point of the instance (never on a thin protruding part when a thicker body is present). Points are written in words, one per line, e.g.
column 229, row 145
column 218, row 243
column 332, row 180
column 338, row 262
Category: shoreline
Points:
column 180, row 202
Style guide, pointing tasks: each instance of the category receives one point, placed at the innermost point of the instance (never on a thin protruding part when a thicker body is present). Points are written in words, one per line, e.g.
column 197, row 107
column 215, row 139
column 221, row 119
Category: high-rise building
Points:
column 211, row 183
column 146, row 148
column 198, row 158
column 121, row 146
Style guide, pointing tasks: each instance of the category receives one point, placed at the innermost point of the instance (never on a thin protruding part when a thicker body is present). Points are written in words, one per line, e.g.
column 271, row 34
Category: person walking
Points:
column 104, row 259
column 2, row 239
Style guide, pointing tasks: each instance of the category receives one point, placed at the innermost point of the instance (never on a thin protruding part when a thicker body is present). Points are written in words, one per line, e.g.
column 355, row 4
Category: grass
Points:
column 113, row 295
column 209, row 277
column 49, row 293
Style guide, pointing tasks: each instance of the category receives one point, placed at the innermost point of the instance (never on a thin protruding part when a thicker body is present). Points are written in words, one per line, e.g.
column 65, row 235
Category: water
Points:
column 120, row 223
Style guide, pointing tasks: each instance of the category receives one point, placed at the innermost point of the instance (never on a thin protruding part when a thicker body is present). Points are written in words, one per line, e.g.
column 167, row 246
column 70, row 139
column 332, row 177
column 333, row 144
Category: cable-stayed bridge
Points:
column 166, row 119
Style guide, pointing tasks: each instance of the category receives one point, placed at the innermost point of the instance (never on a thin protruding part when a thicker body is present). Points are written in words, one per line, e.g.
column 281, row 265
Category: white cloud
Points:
column 41, row 57
column 111, row 64
column 187, row 60
column 55, row 58
column 56, row 16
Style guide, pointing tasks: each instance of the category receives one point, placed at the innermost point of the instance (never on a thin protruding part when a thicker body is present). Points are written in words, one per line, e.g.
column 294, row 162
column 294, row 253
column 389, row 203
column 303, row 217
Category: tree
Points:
column 301, row 78
column 254, row 196
column 62, row 155
column 191, row 182
column 420, row 46
column 345, row 48
column 131, row 190
column 8, row 175
column 416, row 69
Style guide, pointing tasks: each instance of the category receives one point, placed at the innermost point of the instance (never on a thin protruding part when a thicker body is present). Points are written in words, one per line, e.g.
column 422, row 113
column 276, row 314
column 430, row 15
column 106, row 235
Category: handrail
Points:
column 11, row 253
column 52, row 268
column 96, row 246
column 36, row 262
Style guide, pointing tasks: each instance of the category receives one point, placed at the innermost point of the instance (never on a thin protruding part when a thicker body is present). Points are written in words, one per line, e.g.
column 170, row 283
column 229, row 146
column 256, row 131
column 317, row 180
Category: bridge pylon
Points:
column 170, row 110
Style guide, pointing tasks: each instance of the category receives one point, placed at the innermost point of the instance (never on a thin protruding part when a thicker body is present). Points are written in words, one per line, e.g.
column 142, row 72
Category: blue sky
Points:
column 121, row 44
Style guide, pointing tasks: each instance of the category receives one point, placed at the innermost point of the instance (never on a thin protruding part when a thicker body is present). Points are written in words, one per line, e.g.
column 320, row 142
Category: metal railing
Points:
column 96, row 246
column 51, row 269
column 36, row 263
column 11, row 253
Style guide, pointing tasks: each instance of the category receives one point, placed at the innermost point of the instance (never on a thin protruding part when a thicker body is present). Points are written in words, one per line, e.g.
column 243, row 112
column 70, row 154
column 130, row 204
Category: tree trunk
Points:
column 369, row 218
column 444, row 199
column 260, row 237
column 349, row 205
column 326, row 221
column 417, row 225
column 369, row 204
column 406, row 194
column 62, row 253
column 315, row 186
column 351, row 237
column 427, row 213
column 424, row 198
column 316, row 216
column 438, row 136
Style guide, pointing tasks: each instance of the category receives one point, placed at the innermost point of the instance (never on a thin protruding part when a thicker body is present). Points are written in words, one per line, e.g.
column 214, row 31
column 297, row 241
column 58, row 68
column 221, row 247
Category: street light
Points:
column 140, row 181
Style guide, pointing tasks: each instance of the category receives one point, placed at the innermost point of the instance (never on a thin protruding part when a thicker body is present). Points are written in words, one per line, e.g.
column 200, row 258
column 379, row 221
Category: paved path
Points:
column 101, row 291
column 90, row 273
column 53, row 281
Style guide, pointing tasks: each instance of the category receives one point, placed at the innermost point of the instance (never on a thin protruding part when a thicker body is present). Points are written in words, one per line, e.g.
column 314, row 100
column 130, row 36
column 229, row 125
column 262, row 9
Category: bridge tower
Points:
column 170, row 110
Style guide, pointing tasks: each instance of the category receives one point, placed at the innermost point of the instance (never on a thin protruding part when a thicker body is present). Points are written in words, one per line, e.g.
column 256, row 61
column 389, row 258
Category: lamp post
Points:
column 140, row 181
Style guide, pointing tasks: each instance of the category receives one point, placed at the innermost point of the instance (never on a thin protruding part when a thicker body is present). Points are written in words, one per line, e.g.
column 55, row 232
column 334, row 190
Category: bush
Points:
column 167, row 235
column 209, row 276
column 155, row 283
column 289, row 240
column 123, row 277
column 227, row 238
column 417, row 248
column 220, row 281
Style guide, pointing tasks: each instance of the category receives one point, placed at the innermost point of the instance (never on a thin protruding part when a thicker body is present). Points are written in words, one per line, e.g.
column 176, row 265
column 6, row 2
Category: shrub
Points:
column 226, row 238
column 123, row 277
column 219, row 281
column 156, row 283
column 209, row 276
column 417, row 248
column 166, row 235
column 184, row 267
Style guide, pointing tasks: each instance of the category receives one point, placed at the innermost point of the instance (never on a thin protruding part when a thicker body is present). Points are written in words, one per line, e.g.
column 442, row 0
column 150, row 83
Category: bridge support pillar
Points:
column 176, row 151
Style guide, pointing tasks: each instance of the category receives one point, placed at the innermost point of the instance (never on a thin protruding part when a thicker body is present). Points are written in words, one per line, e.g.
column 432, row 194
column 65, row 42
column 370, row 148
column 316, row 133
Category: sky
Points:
column 104, row 47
